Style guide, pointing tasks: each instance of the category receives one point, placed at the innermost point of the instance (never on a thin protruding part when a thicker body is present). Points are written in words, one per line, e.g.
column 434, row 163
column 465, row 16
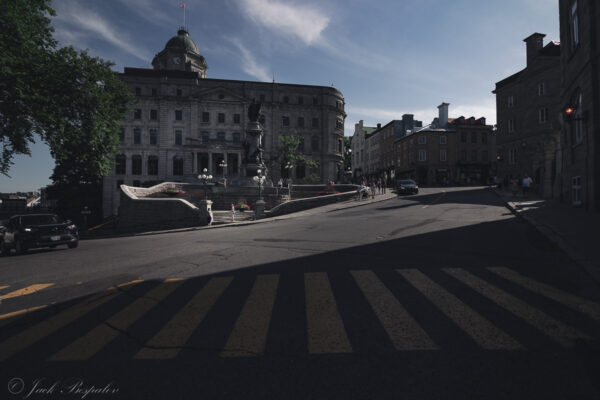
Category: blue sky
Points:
column 388, row 57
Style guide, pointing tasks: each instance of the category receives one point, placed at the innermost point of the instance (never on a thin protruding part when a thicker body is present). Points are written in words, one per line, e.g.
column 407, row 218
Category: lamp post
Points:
column 288, row 167
column 204, row 177
column 259, row 206
column 259, row 179
column 223, row 165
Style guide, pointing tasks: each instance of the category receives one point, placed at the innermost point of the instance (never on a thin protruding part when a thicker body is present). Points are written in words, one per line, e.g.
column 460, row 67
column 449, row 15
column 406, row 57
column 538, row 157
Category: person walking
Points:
column 232, row 212
column 372, row 190
column 526, row 184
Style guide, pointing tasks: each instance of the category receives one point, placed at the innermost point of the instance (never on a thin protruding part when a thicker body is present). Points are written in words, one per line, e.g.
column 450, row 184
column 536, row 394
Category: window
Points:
column 473, row 137
column 474, row 156
column 300, row 122
column 463, row 156
column 576, row 190
column 542, row 89
column 221, row 135
column 339, row 124
column 137, row 114
column 512, row 156
column 485, row 156
column 262, row 98
column 262, row 119
column 236, row 137
column 510, row 101
column 178, row 115
column 178, row 92
column 221, row 95
column 301, row 145
column 286, row 99
column 120, row 164
column 119, row 183
column 285, row 121
column 578, row 125
column 340, row 145
column 442, row 139
column 422, row 139
column 137, row 136
column 236, row 118
column 300, row 171
column 178, row 137
column 138, row 91
column 136, row 165
column 122, row 135
column 300, row 100
column 315, row 100
column 221, row 118
column 483, row 138
column 136, row 183
column 422, row 155
column 314, row 143
column 443, row 155
column 205, row 137
column 153, row 115
column 574, row 25
column 153, row 136
column 542, row 115
column 154, row 92
column 177, row 165
column 511, row 125
column 205, row 117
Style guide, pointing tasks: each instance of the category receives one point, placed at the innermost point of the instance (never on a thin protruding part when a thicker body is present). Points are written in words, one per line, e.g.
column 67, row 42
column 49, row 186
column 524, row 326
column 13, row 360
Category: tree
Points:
column 347, row 153
column 288, row 155
column 73, row 101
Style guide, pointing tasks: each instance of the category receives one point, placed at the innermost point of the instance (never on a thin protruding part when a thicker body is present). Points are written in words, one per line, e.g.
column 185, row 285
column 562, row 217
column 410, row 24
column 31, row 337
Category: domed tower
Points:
column 180, row 53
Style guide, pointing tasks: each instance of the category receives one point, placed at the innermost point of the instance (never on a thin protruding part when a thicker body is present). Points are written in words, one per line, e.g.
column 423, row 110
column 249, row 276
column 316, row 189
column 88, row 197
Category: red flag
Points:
column 183, row 5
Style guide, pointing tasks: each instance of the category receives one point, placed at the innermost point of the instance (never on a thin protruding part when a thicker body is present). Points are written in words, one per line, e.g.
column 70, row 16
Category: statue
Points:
column 254, row 111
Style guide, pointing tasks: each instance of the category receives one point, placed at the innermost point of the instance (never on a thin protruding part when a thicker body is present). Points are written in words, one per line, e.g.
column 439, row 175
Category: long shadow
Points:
column 285, row 369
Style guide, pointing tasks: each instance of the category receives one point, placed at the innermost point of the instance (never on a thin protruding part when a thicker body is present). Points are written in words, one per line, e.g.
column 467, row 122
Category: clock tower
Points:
column 180, row 53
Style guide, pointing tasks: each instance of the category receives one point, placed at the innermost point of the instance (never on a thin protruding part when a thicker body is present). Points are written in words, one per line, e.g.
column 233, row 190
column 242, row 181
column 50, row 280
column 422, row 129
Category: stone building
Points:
column 447, row 151
column 580, row 107
column 359, row 154
column 183, row 122
column 528, row 105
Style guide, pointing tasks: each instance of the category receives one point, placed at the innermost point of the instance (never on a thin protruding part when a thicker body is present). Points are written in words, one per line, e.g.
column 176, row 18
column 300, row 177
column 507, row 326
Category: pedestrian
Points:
column 359, row 191
column 372, row 190
column 232, row 212
column 526, row 184
column 383, row 186
column 280, row 183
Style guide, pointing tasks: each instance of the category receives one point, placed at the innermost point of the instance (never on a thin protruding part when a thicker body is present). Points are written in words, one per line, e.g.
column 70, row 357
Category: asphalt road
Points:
column 441, row 295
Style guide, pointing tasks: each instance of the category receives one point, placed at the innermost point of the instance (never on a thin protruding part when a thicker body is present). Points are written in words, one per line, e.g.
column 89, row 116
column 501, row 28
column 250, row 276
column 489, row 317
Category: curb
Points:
column 555, row 238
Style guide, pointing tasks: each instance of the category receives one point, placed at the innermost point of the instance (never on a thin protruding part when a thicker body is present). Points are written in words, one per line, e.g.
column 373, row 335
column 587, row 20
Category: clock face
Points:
column 176, row 60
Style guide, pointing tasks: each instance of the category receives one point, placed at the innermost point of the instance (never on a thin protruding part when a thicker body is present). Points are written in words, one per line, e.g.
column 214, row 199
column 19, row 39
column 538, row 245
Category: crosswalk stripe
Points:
column 21, row 312
column 404, row 332
column 26, row 290
column 580, row 304
column 480, row 329
column 168, row 341
column 92, row 342
column 34, row 334
column 4, row 287
column 250, row 331
column 326, row 333
column 558, row 331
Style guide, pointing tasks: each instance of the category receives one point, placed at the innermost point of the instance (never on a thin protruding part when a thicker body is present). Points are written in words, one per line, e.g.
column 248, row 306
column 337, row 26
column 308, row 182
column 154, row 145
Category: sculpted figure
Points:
column 254, row 111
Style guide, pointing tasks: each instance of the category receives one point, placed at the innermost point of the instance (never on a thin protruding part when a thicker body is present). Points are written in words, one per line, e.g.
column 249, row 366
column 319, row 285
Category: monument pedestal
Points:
column 259, row 208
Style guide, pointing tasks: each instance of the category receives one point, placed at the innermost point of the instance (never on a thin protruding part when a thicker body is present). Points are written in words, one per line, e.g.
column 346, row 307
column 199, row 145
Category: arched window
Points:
column 152, row 165
column 177, row 165
column 136, row 165
column 120, row 164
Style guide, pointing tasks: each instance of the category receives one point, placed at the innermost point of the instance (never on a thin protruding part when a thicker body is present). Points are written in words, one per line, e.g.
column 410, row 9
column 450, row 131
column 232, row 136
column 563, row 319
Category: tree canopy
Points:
column 73, row 101
column 289, row 155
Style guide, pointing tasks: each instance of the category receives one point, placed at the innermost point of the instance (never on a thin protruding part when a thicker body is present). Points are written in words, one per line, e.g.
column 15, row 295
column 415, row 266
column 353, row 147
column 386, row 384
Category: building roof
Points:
column 182, row 42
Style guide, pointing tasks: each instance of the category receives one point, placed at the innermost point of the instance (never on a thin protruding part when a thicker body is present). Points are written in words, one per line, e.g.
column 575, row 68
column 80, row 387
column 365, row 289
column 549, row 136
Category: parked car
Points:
column 407, row 186
column 28, row 231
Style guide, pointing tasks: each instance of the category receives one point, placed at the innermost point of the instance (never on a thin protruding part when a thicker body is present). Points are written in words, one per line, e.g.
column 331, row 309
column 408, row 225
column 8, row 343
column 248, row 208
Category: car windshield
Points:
column 41, row 219
column 407, row 182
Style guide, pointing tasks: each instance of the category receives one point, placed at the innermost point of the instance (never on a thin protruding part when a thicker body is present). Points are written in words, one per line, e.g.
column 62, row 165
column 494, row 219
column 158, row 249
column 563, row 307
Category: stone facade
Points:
column 359, row 154
column 580, row 78
column 528, row 105
column 183, row 123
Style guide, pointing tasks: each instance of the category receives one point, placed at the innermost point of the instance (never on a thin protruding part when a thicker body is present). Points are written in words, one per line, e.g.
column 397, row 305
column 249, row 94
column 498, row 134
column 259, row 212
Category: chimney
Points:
column 443, row 115
column 378, row 126
column 534, row 44
column 408, row 121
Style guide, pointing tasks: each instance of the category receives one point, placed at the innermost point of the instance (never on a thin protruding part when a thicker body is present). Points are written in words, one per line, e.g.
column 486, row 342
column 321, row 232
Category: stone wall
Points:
column 138, row 212
column 307, row 203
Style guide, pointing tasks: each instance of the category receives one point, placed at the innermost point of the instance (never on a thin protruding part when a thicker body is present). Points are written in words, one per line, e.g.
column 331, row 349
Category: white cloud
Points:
column 304, row 22
column 92, row 23
column 250, row 65
column 150, row 10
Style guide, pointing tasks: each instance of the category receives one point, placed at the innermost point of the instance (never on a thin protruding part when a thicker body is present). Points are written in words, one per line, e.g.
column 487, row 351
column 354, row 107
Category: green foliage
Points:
column 347, row 153
column 73, row 101
column 288, row 155
column 313, row 179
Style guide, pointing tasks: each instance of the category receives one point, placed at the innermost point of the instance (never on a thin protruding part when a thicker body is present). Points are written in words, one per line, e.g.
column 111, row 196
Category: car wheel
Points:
column 73, row 245
column 20, row 248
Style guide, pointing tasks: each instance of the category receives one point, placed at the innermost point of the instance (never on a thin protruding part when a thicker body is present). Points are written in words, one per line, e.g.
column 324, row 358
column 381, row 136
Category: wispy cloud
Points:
column 249, row 63
column 151, row 10
column 304, row 22
column 91, row 23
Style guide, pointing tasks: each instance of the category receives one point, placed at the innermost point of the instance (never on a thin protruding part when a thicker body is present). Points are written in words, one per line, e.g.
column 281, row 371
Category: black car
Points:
column 407, row 186
column 22, row 232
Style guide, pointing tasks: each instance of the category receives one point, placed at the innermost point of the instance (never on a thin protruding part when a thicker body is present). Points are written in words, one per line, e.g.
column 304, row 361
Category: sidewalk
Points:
column 571, row 229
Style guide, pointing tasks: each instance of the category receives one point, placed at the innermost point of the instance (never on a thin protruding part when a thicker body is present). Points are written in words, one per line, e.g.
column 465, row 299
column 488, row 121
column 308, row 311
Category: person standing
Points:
column 526, row 184
column 232, row 212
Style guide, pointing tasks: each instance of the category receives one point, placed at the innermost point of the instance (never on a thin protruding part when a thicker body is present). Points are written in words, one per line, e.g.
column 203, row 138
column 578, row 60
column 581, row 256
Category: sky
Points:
column 387, row 57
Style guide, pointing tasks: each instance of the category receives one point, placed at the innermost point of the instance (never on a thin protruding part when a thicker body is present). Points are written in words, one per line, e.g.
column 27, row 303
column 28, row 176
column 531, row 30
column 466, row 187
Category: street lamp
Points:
column 223, row 165
column 259, row 179
column 288, row 167
column 204, row 177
